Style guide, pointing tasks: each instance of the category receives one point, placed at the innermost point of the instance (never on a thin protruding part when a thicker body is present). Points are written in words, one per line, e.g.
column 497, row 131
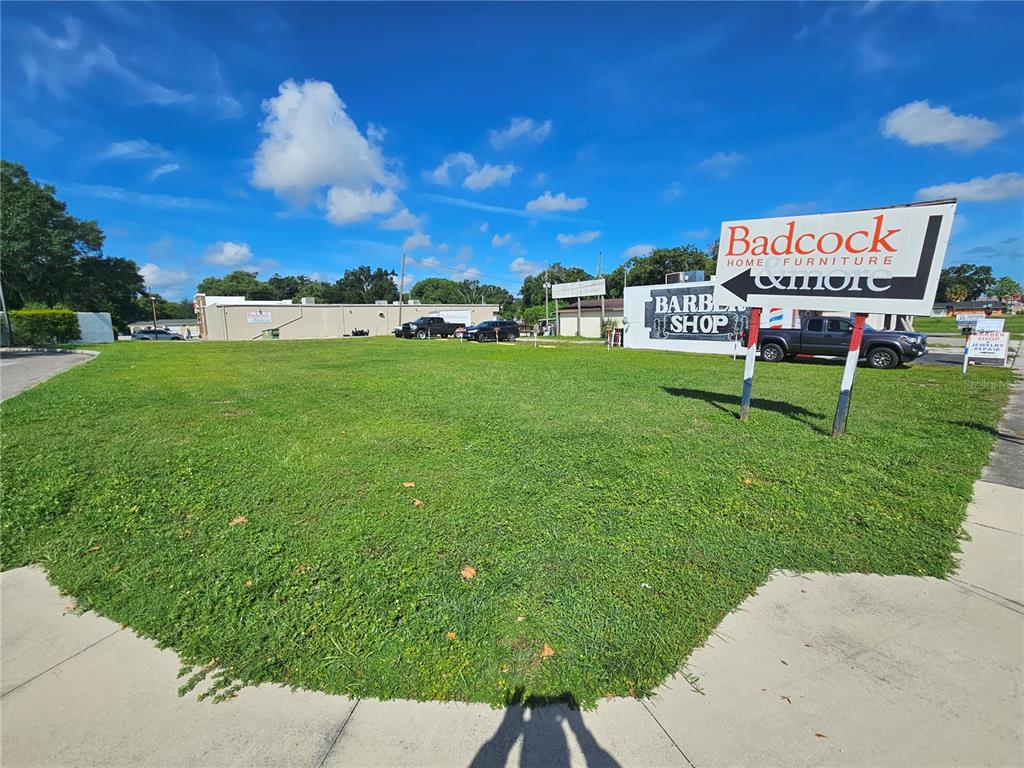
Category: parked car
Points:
column 429, row 327
column 831, row 336
column 493, row 330
column 156, row 334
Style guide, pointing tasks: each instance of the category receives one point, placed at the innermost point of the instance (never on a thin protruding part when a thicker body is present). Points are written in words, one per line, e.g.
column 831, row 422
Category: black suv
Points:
column 493, row 330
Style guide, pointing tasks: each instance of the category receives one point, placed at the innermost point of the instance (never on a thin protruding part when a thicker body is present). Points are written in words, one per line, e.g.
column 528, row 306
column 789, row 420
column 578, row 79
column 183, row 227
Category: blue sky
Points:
column 486, row 140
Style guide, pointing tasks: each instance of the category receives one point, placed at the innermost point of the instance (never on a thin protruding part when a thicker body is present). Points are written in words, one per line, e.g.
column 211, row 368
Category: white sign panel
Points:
column 258, row 317
column 460, row 316
column 991, row 345
column 989, row 324
column 884, row 260
column 581, row 288
column 682, row 317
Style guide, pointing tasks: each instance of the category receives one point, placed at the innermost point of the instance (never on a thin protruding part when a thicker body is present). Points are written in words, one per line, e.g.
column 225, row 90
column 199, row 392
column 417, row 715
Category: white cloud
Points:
column 920, row 124
column 442, row 247
column 582, row 237
column 522, row 267
column 520, row 128
column 483, row 227
column 636, row 251
column 407, row 282
column 499, row 240
column 1001, row 186
column 489, row 175
column 312, row 143
column 466, row 252
column 721, row 164
column 162, row 280
column 404, row 219
column 540, row 179
column 134, row 149
column 160, row 170
column 376, row 133
column 794, row 209
column 228, row 254
column 416, row 240
column 462, row 161
column 672, row 191
column 139, row 198
column 548, row 202
column 347, row 206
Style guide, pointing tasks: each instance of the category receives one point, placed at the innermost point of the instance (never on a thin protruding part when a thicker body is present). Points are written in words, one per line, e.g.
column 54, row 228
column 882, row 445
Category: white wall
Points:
column 96, row 327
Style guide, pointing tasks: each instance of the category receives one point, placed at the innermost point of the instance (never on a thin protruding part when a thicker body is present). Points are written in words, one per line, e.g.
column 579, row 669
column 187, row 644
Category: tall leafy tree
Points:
column 1006, row 288
column 42, row 242
column 111, row 285
column 532, row 292
column 363, row 285
column 652, row 268
column 967, row 280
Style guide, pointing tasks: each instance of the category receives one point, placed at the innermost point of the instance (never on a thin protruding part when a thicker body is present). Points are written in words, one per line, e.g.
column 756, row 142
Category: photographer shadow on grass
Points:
column 541, row 722
column 722, row 401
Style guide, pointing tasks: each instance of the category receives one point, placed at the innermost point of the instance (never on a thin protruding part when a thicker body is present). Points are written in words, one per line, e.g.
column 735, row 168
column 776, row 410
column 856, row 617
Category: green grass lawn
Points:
column 1013, row 324
column 612, row 505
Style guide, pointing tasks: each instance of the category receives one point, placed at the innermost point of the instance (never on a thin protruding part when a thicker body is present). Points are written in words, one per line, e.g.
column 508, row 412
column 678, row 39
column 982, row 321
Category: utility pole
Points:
column 547, row 285
column 401, row 289
column 602, row 295
column 152, row 302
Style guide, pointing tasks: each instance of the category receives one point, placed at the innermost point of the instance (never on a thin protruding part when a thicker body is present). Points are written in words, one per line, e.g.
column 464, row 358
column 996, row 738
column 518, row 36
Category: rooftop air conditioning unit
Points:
column 693, row 276
column 381, row 301
column 308, row 300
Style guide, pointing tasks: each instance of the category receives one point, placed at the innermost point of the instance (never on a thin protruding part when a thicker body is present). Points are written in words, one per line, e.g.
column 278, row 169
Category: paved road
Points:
column 21, row 370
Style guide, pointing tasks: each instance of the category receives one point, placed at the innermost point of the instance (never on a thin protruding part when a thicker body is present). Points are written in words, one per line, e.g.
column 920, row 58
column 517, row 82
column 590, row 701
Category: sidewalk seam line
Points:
column 993, row 527
column 689, row 762
column 50, row 669
column 974, row 589
column 338, row 734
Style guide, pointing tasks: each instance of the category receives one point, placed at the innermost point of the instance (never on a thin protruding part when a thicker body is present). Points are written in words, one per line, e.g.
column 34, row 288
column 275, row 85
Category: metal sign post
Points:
column 849, row 371
column 748, row 364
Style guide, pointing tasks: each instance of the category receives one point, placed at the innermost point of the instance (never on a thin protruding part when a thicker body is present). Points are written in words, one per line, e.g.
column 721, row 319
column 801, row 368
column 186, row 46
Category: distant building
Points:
column 583, row 317
column 992, row 307
column 228, row 318
column 185, row 326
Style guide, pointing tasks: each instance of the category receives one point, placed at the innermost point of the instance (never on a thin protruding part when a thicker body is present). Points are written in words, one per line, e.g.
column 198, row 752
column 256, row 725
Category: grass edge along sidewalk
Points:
column 585, row 520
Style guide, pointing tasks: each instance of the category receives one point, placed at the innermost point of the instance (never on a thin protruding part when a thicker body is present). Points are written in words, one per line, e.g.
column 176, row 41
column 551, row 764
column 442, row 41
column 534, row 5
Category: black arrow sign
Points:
column 914, row 287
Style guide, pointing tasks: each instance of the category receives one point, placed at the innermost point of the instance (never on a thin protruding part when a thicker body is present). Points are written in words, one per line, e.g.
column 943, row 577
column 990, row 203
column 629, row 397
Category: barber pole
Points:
column 852, row 357
column 748, row 364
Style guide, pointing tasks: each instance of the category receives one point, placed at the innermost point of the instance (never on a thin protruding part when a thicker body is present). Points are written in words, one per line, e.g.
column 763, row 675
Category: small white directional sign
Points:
column 884, row 260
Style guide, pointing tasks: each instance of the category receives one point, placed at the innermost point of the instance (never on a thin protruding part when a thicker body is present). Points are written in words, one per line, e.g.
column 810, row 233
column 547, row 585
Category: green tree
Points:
column 42, row 242
column 437, row 290
column 652, row 268
column 237, row 283
column 970, row 280
column 363, row 285
column 1006, row 288
column 532, row 292
column 111, row 285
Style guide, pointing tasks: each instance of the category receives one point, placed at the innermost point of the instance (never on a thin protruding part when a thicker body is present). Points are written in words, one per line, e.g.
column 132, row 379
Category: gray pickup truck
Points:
column 831, row 336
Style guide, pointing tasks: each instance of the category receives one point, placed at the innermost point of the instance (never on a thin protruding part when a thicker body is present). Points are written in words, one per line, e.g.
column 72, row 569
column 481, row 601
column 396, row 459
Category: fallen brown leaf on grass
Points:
column 821, row 735
column 239, row 520
column 468, row 571
column 547, row 651
column 520, row 618
column 300, row 569
column 95, row 548
column 451, row 636
column 248, row 582
column 408, row 485
column 417, row 502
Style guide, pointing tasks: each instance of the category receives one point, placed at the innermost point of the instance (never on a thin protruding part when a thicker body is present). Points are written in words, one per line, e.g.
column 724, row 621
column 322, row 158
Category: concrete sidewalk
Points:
column 813, row 670
column 20, row 370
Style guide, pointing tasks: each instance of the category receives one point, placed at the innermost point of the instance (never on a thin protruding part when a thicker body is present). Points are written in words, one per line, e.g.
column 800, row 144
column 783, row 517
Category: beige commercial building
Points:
column 583, row 317
column 229, row 319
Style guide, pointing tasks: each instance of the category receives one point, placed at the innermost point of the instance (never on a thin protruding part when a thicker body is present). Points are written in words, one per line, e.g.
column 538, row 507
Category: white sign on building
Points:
column 258, row 317
column 884, row 260
column 460, row 316
column 578, row 289
column 682, row 317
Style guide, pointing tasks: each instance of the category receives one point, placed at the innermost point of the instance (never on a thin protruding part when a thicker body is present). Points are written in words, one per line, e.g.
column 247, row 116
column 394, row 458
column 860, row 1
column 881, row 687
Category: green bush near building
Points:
column 40, row 327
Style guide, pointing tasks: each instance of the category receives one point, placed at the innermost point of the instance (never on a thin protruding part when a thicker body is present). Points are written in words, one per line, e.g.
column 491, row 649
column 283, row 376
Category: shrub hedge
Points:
column 38, row 327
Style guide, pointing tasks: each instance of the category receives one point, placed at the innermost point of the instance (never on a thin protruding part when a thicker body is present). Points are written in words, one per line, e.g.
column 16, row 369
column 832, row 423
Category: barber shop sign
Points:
column 681, row 317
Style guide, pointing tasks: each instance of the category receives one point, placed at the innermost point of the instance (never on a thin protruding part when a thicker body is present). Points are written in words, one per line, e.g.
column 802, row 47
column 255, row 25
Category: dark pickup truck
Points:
column 831, row 336
column 429, row 327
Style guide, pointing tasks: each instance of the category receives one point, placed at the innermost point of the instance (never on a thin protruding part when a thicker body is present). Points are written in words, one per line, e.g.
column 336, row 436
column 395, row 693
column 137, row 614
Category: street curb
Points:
column 49, row 350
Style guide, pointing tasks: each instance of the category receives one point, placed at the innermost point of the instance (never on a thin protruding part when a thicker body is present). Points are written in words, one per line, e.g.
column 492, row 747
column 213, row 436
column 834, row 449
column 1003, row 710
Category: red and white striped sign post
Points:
column 846, row 387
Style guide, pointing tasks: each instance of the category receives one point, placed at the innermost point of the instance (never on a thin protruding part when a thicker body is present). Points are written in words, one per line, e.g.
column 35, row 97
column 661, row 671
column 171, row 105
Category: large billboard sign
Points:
column 578, row 289
column 883, row 260
column 682, row 317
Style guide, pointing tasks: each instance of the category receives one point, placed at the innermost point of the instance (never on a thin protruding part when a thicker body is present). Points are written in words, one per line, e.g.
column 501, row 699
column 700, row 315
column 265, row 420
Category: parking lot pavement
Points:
column 21, row 370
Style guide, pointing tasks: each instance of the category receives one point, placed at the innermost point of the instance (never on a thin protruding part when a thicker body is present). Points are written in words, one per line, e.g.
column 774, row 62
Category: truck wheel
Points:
column 883, row 357
column 511, row 337
column 772, row 353
column 421, row 334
